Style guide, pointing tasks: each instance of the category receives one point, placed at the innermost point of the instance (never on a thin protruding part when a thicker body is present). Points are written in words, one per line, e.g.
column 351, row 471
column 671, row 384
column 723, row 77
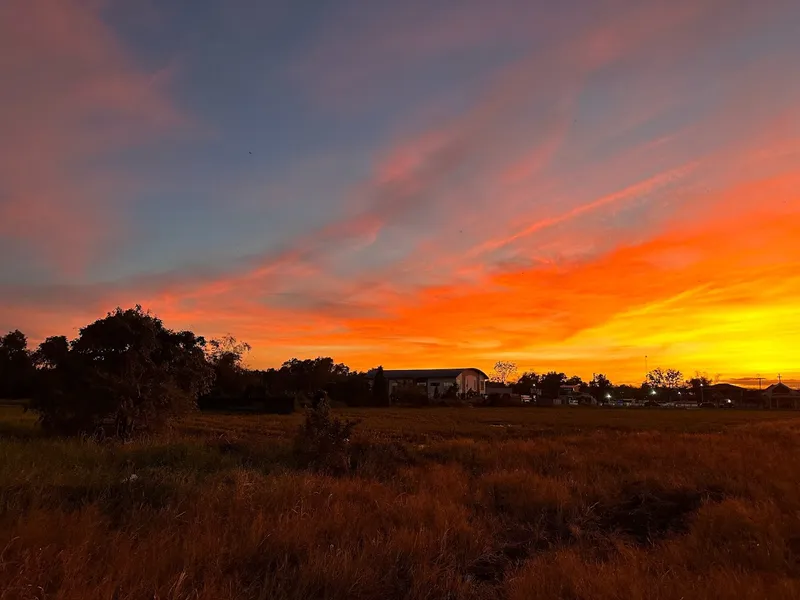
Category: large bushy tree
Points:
column 125, row 374
column 664, row 378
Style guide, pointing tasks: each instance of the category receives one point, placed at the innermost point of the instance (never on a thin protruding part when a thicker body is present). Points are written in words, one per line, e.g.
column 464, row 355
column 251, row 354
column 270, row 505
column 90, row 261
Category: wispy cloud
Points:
column 632, row 192
column 71, row 95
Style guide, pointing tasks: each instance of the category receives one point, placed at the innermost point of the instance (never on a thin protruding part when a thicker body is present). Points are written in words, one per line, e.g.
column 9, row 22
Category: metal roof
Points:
column 780, row 388
column 423, row 373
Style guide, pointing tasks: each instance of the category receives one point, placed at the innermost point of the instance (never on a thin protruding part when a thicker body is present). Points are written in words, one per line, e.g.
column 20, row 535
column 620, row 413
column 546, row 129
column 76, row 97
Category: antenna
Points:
column 760, row 379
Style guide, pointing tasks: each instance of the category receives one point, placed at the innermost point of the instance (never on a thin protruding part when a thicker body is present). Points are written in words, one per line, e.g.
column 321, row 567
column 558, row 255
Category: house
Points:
column 571, row 394
column 469, row 380
column 502, row 394
column 721, row 393
column 780, row 395
column 545, row 401
column 569, row 390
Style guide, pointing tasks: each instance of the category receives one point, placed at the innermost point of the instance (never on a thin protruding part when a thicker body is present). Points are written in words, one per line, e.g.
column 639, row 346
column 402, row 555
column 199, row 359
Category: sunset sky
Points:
column 571, row 185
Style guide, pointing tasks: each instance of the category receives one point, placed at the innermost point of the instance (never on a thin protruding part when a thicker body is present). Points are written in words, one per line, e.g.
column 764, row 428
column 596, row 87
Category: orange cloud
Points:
column 716, row 296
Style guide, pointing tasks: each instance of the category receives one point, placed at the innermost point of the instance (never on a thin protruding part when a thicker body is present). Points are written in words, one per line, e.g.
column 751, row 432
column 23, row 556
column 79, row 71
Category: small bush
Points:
column 323, row 441
column 410, row 395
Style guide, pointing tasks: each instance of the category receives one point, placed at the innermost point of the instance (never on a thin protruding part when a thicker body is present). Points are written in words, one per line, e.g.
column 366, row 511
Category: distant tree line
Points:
column 549, row 384
column 127, row 374
column 659, row 385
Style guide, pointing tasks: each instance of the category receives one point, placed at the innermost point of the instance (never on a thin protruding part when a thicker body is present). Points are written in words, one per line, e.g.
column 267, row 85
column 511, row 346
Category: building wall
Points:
column 442, row 384
column 472, row 380
column 468, row 380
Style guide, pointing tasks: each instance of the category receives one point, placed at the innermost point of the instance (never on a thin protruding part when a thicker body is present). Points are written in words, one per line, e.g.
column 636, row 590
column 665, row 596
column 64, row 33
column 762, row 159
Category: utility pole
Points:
column 760, row 379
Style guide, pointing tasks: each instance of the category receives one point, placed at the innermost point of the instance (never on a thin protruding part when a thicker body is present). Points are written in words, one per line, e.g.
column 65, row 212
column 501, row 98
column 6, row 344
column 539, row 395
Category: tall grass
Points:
column 582, row 504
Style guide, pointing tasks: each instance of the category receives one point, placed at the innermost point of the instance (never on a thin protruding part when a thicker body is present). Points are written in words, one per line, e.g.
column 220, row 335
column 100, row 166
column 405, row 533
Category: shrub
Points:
column 323, row 441
column 410, row 395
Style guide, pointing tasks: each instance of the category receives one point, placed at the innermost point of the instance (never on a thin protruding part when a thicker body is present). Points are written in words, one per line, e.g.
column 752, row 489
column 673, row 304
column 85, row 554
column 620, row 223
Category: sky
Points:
column 427, row 183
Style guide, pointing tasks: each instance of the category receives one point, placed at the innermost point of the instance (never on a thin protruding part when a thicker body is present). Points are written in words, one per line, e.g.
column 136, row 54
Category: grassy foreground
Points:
column 442, row 503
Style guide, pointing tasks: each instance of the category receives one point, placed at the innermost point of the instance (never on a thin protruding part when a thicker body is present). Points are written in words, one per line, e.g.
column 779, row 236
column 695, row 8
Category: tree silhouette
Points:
column 600, row 387
column 124, row 374
column 504, row 371
column 698, row 381
column 227, row 349
column 51, row 352
column 576, row 380
column 16, row 367
column 231, row 379
column 664, row 379
column 380, row 388
column 526, row 383
column 551, row 383
column 311, row 375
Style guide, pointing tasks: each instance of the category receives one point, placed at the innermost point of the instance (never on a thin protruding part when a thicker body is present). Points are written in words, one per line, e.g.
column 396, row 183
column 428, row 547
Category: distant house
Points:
column 545, row 401
column 571, row 394
column 720, row 393
column 433, row 380
column 780, row 395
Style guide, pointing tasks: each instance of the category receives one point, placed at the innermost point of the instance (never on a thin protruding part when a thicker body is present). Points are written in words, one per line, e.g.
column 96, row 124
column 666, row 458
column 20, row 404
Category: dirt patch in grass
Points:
column 642, row 514
column 646, row 513
column 517, row 545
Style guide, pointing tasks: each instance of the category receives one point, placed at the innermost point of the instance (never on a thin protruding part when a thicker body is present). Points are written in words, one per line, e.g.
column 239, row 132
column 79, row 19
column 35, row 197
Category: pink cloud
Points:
column 70, row 93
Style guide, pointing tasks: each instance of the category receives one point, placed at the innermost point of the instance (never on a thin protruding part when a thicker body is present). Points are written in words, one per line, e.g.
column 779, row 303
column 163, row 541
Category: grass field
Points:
column 441, row 503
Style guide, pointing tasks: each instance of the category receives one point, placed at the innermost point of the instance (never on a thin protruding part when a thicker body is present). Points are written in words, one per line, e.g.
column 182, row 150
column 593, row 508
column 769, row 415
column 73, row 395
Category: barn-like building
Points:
column 468, row 379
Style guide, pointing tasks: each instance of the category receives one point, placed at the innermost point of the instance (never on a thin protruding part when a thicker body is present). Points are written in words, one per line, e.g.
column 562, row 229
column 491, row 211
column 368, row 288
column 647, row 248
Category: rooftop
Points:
column 423, row 373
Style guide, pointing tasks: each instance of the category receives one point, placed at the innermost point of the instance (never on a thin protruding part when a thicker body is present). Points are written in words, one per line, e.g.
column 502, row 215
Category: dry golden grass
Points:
column 556, row 503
